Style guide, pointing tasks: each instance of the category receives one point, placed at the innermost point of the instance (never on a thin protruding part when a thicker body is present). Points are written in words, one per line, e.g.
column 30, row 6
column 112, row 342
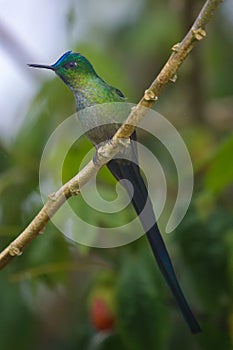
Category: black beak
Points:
column 41, row 66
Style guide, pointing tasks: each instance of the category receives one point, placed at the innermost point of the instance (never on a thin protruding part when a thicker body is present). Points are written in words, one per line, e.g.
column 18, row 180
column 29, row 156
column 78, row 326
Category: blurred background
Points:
column 61, row 295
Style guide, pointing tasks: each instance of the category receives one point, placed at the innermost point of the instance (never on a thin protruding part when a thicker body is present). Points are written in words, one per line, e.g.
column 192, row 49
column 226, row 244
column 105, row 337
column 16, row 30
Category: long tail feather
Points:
column 130, row 171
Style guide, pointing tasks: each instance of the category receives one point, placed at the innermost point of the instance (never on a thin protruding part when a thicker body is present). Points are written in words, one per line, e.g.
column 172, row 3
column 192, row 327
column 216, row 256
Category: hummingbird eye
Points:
column 70, row 65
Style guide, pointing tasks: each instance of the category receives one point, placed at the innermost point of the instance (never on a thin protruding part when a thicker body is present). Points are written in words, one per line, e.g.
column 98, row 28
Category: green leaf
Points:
column 220, row 173
column 141, row 320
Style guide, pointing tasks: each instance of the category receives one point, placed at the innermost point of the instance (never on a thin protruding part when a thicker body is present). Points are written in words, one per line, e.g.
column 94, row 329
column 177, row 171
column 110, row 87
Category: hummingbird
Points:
column 90, row 90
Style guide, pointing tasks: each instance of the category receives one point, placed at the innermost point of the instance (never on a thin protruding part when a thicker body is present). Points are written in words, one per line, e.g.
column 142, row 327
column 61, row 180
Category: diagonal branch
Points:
column 168, row 73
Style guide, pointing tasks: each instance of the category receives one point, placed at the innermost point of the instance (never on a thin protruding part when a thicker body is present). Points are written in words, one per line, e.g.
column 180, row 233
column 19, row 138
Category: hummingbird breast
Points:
column 101, row 121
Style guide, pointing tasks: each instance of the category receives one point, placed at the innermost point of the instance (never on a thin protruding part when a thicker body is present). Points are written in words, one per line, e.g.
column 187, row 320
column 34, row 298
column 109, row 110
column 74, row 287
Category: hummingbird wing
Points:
column 129, row 170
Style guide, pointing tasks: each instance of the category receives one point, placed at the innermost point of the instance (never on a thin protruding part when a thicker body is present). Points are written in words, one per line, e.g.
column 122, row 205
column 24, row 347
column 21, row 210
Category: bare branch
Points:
column 106, row 152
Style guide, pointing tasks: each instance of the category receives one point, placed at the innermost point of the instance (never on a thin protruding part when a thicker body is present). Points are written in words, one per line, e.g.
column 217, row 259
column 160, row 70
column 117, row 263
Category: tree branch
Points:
column 119, row 140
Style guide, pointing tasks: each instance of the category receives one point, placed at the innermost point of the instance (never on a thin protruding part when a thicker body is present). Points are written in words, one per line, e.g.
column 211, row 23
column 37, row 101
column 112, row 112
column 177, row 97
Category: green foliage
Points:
column 220, row 173
column 140, row 313
column 14, row 309
column 204, row 261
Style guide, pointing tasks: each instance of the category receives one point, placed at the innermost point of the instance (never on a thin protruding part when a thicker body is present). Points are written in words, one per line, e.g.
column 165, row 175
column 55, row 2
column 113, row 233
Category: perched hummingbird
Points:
column 90, row 90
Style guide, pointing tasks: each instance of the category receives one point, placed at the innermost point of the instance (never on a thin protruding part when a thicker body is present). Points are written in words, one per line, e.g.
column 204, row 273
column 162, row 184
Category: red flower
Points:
column 101, row 315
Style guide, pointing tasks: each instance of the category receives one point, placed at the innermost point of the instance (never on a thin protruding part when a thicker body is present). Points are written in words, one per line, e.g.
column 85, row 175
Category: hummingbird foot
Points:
column 98, row 155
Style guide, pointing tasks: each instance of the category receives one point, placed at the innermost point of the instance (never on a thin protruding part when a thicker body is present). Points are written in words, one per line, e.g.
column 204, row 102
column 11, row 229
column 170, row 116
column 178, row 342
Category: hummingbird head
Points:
column 71, row 67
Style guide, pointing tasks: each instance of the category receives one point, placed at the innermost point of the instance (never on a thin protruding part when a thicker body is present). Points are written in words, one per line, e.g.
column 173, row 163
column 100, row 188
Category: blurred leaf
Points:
column 220, row 172
column 203, row 248
column 229, row 256
column 112, row 342
column 15, row 310
column 141, row 322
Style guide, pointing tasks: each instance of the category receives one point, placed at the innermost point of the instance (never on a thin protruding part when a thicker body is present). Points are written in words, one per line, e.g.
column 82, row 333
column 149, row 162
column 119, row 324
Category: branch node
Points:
column 74, row 190
column 124, row 142
column 42, row 231
column 52, row 196
column 14, row 250
column 173, row 78
column 176, row 47
column 149, row 95
column 199, row 34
